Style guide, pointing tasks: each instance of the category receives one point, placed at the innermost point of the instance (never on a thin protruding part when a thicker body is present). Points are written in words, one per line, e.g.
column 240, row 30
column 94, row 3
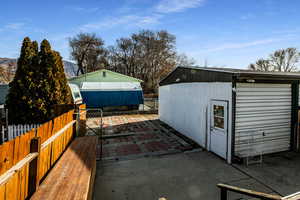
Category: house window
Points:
column 76, row 95
column 104, row 74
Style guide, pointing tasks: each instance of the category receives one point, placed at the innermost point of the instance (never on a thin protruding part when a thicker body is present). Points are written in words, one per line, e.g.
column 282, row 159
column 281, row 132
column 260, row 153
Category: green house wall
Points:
column 98, row 76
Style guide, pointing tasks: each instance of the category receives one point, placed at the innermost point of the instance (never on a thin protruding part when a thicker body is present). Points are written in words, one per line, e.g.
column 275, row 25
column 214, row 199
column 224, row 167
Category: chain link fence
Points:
column 150, row 104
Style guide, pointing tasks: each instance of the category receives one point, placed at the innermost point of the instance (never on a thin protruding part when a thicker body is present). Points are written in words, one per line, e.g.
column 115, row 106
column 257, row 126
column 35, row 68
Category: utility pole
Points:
column 205, row 63
column 85, row 71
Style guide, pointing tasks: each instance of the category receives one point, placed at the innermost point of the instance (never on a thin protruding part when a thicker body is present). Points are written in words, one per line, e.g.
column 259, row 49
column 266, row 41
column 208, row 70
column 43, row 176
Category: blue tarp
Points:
column 99, row 99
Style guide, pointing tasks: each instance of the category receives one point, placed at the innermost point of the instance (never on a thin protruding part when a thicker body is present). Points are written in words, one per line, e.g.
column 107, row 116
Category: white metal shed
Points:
column 233, row 113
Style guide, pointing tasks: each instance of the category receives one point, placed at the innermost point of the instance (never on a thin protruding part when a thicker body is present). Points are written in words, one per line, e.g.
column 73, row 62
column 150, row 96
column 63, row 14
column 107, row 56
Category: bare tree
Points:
column 157, row 55
column 261, row 65
column 124, row 57
column 283, row 60
column 147, row 55
column 184, row 60
column 88, row 51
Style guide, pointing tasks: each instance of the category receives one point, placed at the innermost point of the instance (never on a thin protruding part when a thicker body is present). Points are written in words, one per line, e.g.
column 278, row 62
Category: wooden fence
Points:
column 25, row 160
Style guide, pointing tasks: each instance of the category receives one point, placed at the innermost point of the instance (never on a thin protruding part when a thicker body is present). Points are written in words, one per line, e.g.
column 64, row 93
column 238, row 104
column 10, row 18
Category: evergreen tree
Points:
column 21, row 97
column 54, row 82
column 62, row 84
column 48, row 90
column 39, row 85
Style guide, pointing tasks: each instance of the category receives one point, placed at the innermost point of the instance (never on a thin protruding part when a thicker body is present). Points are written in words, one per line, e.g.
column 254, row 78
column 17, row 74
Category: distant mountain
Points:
column 8, row 67
column 70, row 68
column 6, row 61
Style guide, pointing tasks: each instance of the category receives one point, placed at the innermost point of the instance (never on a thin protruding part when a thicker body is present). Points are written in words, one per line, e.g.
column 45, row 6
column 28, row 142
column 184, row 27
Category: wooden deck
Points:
column 73, row 175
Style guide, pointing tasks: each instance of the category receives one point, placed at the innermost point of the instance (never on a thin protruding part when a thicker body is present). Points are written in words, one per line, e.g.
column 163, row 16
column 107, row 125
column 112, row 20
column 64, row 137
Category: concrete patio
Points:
column 279, row 171
column 183, row 176
column 176, row 169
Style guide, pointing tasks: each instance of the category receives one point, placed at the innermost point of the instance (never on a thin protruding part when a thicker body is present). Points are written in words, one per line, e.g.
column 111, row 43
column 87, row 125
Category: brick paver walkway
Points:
column 130, row 136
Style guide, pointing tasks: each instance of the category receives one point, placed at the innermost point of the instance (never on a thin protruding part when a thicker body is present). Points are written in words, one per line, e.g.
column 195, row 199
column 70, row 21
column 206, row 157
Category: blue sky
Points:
column 231, row 33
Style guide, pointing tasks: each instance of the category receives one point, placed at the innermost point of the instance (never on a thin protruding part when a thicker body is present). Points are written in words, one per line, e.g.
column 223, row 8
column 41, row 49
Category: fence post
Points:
column 76, row 124
column 1, row 135
column 6, row 125
column 33, row 179
column 82, row 113
column 223, row 194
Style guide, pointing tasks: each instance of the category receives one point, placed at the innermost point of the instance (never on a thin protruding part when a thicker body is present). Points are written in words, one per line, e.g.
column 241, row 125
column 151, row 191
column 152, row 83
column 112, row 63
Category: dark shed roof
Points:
column 208, row 74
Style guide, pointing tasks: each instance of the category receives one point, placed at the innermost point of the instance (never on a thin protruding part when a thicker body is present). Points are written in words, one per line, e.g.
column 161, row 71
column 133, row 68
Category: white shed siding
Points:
column 262, row 108
column 186, row 108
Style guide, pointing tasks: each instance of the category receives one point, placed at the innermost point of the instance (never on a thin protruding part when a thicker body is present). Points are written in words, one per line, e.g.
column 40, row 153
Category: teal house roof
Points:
column 3, row 93
column 102, row 75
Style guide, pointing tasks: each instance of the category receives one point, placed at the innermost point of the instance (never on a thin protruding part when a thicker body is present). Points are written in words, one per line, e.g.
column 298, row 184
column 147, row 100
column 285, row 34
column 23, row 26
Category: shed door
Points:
column 218, row 130
column 263, row 118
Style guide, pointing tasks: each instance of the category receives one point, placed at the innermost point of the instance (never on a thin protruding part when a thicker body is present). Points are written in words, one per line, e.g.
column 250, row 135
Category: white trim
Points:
column 292, row 196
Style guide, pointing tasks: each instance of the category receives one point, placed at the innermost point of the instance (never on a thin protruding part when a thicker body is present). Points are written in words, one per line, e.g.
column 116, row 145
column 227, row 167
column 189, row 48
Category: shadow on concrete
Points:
column 280, row 171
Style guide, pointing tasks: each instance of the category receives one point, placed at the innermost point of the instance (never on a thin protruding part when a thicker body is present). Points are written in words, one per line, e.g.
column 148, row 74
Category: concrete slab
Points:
column 279, row 171
column 146, row 161
column 175, row 177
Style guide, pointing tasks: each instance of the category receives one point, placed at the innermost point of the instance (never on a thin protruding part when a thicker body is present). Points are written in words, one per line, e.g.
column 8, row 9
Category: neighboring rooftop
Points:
column 214, row 74
column 103, row 75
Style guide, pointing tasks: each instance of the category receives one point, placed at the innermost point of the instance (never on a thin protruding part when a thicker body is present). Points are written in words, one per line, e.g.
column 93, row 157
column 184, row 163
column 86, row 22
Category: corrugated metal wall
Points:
column 186, row 108
column 262, row 108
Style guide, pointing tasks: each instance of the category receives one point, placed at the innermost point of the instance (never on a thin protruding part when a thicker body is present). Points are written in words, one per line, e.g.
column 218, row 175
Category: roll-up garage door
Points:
column 263, row 118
